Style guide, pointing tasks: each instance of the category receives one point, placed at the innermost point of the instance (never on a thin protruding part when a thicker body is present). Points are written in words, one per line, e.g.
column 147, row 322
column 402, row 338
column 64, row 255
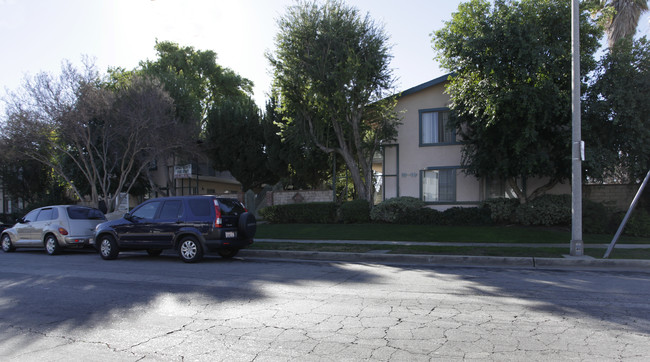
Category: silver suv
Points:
column 53, row 228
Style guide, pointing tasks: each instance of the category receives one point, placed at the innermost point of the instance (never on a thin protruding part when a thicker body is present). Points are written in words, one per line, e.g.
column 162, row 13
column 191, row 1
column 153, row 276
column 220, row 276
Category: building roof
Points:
column 425, row 85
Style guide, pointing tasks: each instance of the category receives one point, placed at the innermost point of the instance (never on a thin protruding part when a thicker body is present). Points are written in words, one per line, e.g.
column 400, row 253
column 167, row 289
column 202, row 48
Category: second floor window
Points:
column 435, row 127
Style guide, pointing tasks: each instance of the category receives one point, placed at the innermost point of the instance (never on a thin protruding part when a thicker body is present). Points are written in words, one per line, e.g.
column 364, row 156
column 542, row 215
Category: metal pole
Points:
column 627, row 216
column 577, row 247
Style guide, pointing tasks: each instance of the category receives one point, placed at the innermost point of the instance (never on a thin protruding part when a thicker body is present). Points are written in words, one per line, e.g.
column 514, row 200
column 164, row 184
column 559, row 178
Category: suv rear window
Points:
column 84, row 213
column 231, row 207
column 201, row 207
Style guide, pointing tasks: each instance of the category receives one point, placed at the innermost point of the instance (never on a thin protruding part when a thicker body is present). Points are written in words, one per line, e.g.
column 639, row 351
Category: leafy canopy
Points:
column 617, row 114
column 510, row 87
column 330, row 65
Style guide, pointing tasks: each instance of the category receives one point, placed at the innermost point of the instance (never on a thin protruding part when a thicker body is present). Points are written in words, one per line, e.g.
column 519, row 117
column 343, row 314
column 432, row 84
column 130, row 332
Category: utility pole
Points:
column 577, row 247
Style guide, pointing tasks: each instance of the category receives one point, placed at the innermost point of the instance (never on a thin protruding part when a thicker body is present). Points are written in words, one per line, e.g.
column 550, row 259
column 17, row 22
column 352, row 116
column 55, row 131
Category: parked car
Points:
column 191, row 225
column 53, row 228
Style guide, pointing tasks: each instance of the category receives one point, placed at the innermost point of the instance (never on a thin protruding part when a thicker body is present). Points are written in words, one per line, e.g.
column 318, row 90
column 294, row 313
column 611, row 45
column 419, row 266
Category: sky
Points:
column 38, row 35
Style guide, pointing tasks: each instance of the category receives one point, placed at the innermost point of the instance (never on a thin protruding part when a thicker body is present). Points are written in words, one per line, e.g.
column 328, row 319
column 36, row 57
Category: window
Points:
column 435, row 127
column 231, row 207
column 45, row 215
column 201, row 207
column 439, row 185
column 171, row 209
column 147, row 211
column 31, row 216
column 84, row 213
column 498, row 188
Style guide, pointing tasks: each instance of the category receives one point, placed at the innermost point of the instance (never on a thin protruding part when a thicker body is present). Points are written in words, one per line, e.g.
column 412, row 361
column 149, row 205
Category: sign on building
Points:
column 183, row 171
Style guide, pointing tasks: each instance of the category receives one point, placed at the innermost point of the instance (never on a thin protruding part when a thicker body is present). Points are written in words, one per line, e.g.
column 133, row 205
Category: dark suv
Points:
column 192, row 225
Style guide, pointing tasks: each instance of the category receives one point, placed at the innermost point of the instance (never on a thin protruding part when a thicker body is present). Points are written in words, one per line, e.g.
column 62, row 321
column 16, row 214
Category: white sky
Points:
column 37, row 35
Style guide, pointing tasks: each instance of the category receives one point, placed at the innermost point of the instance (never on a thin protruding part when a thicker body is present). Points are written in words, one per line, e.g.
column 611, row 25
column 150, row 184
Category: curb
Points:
column 453, row 260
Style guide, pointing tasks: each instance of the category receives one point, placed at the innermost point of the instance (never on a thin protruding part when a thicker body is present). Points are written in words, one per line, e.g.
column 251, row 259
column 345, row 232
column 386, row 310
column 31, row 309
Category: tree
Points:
column 197, row 85
column 330, row 66
column 235, row 142
column 511, row 87
column 298, row 162
column 617, row 114
column 194, row 80
column 619, row 17
column 77, row 126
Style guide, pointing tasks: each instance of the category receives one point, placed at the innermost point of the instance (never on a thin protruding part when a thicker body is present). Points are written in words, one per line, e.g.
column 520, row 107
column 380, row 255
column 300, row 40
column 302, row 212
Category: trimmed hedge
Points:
column 546, row 210
column 304, row 213
column 392, row 210
column 638, row 224
column 502, row 210
column 355, row 211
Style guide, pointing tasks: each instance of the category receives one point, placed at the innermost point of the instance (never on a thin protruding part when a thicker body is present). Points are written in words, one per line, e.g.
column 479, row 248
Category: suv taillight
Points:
column 217, row 215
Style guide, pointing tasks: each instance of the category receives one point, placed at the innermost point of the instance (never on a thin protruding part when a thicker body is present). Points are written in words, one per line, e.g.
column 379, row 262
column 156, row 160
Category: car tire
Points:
column 228, row 253
column 7, row 245
column 247, row 225
column 108, row 248
column 52, row 246
column 190, row 250
column 154, row 252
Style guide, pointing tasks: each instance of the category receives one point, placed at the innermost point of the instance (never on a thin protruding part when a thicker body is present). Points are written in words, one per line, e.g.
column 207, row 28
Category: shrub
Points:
column 596, row 217
column 545, row 210
column 356, row 211
column 502, row 210
column 467, row 216
column 422, row 216
column 639, row 223
column 393, row 210
column 304, row 213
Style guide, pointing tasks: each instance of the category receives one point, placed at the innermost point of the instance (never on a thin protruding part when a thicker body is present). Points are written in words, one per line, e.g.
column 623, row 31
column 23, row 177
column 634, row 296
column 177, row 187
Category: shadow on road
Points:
column 79, row 290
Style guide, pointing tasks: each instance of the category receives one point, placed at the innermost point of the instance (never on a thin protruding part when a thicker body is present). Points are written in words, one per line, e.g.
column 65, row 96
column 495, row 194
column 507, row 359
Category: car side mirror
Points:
column 128, row 216
column 21, row 220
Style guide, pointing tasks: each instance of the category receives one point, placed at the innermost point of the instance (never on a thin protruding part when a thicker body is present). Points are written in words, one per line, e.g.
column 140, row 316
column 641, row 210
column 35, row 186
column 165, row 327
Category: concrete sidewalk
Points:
column 375, row 257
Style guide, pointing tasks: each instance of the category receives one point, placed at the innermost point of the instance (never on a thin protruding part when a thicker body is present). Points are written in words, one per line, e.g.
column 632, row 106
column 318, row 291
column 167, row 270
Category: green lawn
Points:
column 450, row 234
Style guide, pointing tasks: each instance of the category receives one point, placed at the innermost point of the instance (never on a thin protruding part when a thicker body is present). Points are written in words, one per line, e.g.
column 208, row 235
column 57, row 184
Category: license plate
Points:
column 231, row 234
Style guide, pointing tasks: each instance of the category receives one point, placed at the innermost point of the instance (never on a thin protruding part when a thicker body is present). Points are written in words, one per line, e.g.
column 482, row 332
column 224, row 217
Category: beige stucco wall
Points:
column 405, row 159
column 414, row 158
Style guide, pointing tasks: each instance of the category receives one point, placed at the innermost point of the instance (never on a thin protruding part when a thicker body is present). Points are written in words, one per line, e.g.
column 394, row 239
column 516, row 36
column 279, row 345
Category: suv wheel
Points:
column 227, row 253
column 7, row 246
column 108, row 247
column 190, row 250
column 52, row 246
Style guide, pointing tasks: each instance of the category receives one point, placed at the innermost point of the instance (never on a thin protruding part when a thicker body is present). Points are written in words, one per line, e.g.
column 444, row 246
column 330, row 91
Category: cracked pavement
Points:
column 77, row 307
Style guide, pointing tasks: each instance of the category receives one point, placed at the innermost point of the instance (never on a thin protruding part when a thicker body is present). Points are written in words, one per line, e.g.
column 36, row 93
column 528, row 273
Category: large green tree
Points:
column 298, row 162
column 616, row 120
column 235, row 141
column 331, row 65
column 205, row 94
column 510, row 87
column 195, row 81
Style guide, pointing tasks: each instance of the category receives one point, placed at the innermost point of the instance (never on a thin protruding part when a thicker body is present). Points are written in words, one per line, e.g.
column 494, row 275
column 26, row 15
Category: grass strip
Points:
column 431, row 233
column 538, row 252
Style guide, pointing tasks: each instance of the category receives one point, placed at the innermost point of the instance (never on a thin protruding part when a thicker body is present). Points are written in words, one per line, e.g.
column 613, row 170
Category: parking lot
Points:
column 76, row 306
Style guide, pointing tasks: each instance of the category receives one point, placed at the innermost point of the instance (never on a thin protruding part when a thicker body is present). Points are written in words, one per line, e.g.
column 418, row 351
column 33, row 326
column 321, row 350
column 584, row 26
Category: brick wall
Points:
column 617, row 197
column 300, row 196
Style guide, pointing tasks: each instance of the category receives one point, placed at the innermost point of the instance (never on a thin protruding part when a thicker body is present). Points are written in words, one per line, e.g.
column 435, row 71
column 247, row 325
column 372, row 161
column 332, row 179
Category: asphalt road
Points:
column 77, row 307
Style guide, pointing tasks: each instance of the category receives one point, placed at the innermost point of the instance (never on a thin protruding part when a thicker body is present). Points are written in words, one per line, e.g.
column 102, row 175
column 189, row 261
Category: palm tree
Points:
column 621, row 17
